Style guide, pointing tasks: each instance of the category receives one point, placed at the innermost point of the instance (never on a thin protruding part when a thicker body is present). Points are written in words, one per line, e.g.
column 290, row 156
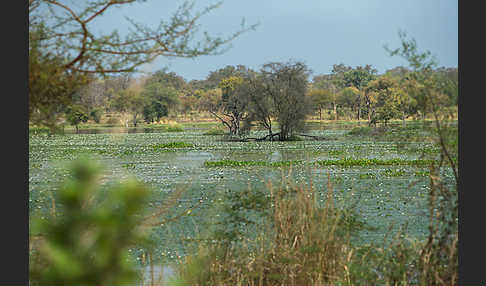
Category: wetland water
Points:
column 381, row 195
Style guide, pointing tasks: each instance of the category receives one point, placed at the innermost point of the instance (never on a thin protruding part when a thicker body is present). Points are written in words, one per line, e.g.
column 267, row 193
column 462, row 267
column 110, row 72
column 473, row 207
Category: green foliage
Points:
column 50, row 86
column 76, row 115
column 358, row 77
column 393, row 172
column 382, row 97
column 96, row 114
column 228, row 85
column 322, row 98
column 168, row 79
column 346, row 162
column 349, row 96
column 233, row 106
column 286, row 85
column 159, row 100
column 172, row 145
column 88, row 243
column 232, row 163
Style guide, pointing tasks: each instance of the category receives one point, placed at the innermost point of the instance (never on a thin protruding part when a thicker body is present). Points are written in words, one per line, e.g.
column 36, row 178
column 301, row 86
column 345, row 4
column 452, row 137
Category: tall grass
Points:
column 304, row 243
column 300, row 243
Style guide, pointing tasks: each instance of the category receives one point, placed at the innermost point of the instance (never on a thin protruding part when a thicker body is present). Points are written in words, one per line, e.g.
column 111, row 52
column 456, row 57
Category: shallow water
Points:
column 157, row 274
column 379, row 198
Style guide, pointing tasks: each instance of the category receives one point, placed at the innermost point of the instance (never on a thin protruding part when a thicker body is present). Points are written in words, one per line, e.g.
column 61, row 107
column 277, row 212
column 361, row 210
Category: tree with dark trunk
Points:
column 286, row 85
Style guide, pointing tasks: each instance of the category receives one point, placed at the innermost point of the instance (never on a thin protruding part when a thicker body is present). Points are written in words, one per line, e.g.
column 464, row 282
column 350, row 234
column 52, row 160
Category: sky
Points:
column 318, row 32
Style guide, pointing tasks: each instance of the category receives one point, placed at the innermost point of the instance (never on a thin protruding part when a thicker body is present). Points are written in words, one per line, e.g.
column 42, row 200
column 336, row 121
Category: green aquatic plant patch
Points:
column 172, row 145
column 375, row 162
column 233, row 163
column 346, row 162
column 175, row 128
column 394, row 173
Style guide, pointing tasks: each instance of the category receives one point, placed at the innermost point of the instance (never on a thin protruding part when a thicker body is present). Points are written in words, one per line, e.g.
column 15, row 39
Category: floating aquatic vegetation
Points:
column 172, row 145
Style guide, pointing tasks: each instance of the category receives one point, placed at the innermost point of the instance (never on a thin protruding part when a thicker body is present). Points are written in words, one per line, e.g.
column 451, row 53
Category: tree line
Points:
column 77, row 75
column 280, row 92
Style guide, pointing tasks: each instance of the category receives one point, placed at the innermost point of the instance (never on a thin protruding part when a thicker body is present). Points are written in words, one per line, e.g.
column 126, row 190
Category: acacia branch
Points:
column 220, row 118
column 99, row 12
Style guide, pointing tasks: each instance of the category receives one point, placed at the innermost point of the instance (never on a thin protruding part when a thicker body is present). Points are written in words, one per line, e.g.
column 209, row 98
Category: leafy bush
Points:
column 96, row 114
column 88, row 244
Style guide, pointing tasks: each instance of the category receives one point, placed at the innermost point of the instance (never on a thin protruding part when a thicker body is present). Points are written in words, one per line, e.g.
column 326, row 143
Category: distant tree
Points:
column 383, row 97
column 168, row 79
column 321, row 98
column 333, row 83
column 261, row 108
column 358, row 78
column 349, row 97
column 339, row 69
column 233, row 105
column 92, row 96
column 159, row 100
column 286, row 85
column 188, row 103
column 209, row 100
column 75, row 115
column 215, row 77
column 129, row 103
column 96, row 114
column 448, row 84
column 399, row 72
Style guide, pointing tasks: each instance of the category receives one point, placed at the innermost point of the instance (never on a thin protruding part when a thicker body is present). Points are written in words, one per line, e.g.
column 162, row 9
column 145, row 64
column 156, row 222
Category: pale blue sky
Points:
column 318, row 32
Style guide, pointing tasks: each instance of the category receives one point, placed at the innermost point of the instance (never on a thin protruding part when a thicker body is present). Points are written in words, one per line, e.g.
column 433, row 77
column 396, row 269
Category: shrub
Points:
column 96, row 114
column 88, row 244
